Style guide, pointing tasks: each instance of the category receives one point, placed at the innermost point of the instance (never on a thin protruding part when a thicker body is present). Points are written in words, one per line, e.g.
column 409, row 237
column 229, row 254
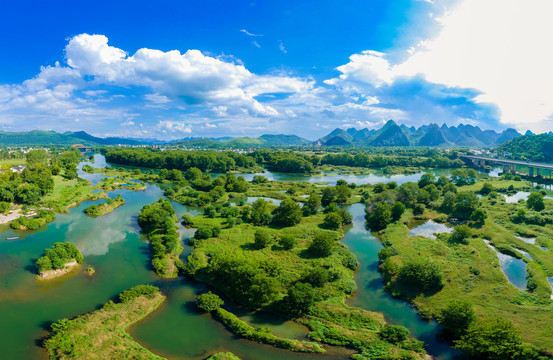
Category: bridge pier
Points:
column 505, row 168
column 530, row 171
column 538, row 172
column 514, row 169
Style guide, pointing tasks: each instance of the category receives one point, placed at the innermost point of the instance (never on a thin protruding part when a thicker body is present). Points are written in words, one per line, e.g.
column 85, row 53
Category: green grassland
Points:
column 472, row 271
column 101, row 333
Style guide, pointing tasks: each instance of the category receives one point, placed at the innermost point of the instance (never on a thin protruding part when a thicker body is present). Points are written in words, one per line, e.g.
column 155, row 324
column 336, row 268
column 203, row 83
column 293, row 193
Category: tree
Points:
column 311, row 206
column 262, row 239
column 301, row 296
column 380, row 217
column 478, row 216
column 457, row 317
column 328, row 196
column 36, row 157
column 397, row 210
column 4, row 207
column 421, row 274
column 394, row 333
column 260, row 214
column 287, row 241
column 28, row 194
column 323, row 245
column 486, row 188
column 535, row 201
column 259, row 179
column 332, row 221
column 465, row 204
column 288, row 213
column 460, row 234
column 496, row 339
column 209, row 302
column 203, row 232
column 342, row 194
column 193, row 174
column 426, row 179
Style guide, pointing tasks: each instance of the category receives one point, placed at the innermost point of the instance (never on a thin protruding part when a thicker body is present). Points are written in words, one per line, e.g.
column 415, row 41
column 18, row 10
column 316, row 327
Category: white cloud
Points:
column 256, row 44
column 499, row 47
column 174, row 127
column 211, row 126
column 249, row 33
column 128, row 123
column 281, row 47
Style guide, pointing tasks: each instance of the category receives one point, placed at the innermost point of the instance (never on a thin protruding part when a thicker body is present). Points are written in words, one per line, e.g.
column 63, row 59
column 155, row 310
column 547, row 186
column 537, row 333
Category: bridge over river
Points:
column 534, row 168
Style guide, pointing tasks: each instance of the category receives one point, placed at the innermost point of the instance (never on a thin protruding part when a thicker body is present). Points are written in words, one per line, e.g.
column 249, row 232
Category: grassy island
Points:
column 286, row 259
column 158, row 222
column 459, row 274
column 105, row 208
column 58, row 261
column 101, row 333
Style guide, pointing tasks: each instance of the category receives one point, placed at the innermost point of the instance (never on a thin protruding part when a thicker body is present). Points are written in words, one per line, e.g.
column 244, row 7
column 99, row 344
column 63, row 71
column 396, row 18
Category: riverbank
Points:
column 51, row 274
column 105, row 208
column 101, row 334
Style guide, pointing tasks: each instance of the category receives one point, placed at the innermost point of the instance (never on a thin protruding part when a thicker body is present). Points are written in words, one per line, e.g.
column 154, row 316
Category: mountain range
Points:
column 391, row 134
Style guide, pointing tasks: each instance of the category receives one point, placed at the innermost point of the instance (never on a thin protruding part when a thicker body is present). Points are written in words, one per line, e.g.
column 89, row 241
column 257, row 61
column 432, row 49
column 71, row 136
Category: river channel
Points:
column 114, row 246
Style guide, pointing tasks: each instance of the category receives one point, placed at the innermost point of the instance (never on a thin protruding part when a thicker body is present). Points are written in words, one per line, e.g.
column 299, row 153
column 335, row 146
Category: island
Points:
column 105, row 208
column 59, row 260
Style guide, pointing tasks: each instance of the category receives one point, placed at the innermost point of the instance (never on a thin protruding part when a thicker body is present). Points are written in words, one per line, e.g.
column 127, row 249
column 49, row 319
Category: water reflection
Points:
column 513, row 268
column 428, row 229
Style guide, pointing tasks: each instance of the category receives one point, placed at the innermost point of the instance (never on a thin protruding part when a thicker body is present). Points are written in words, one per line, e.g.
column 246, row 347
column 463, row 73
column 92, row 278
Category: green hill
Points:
column 537, row 148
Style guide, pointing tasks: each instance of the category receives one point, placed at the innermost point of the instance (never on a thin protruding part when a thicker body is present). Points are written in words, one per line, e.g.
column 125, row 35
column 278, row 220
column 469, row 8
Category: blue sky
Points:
column 175, row 69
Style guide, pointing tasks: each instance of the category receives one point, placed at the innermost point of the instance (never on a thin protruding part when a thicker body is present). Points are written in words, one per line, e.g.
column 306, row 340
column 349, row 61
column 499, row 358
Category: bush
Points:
column 203, row 232
column 397, row 210
column 209, row 302
column 478, row 216
column 300, row 298
column 394, row 333
column 421, row 274
column 535, row 201
column 262, row 239
column 332, row 221
column 56, row 257
column 288, row 242
column 457, row 317
column 4, row 207
column 139, row 290
column 460, row 234
column 187, row 220
column 323, row 245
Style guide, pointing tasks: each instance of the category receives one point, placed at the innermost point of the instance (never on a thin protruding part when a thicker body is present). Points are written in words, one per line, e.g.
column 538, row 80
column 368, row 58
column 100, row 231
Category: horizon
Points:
column 192, row 71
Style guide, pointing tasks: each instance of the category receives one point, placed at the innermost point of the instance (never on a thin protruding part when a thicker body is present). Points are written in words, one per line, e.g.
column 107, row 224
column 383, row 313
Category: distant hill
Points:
column 47, row 138
column 427, row 135
column 537, row 148
column 245, row 142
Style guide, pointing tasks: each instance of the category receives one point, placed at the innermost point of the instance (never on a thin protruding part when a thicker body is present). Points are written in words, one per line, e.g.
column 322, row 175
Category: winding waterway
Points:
column 113, row 245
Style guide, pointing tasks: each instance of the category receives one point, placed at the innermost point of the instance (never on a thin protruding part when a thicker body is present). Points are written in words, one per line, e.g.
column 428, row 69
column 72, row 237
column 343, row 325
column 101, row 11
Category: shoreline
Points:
column 52, row 274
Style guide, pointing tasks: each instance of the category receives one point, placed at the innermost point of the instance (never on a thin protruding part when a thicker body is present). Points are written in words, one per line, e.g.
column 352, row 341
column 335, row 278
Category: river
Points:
column 113, row 245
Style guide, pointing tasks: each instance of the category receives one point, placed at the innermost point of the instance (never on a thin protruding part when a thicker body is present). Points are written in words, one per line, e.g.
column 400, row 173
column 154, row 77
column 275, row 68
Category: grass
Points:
column 330, row 320
column 490, row 292
column 7, row 163
column 69, row 193
column 104, row 208
column 101, row 333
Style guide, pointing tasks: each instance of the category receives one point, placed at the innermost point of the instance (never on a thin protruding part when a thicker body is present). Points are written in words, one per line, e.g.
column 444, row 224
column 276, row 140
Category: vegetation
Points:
column 537, row 148
column 209, row 302
column 105, row 208
column 158, row 222
column 57, row 257
column 101, row 333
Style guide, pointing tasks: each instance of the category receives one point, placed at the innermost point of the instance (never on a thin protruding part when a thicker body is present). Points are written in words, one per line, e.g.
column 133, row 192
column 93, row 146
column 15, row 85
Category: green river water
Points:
column 113, row 245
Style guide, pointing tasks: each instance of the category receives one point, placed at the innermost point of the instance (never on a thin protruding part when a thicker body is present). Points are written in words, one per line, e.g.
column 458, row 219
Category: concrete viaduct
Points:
column 534, row 168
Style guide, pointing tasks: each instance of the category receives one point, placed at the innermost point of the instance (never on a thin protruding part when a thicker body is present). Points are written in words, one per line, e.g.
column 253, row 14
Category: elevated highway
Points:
column 534, row 168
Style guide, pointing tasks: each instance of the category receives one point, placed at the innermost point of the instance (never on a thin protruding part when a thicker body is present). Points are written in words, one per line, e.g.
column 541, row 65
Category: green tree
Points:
column 328, row 196
column 209, row 302
column 342, row 194
column 421, row 274
column 380, row 217
column 36, row 157
column 332, row 221
column 487, row 188
column 535, row 201
column 478, row 216
column 426, row 179
column 465, row 204
column 288, row 213
column 397, row 210
column 460, row 234
column 4, row 207
column 311, row 206
column 262, row 239
column 491, row 339
column 394, row 333
column 260, row 214
column 457, row 317
column 287, row 241
column 301, row 296
column 323, row 245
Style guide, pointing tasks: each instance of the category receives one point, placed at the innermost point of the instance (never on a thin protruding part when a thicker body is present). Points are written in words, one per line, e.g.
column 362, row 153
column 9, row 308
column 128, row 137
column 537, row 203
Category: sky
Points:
column 178, row 69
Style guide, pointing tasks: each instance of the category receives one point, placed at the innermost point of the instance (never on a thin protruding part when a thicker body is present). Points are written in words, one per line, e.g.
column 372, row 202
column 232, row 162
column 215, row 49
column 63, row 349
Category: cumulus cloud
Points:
column 174, row 127
column 497, row 48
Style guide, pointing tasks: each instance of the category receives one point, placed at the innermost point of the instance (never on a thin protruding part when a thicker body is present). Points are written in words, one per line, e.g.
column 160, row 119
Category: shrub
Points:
column 421, row 274
column 457, row 317
column 394, row 333
column 288, row 242
column 262, row 239
column 139, row 290
column 323, row 245
column 397, row 210
column 460, row 234
column 209, row 302
column 332, row 221
column 203, row 232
